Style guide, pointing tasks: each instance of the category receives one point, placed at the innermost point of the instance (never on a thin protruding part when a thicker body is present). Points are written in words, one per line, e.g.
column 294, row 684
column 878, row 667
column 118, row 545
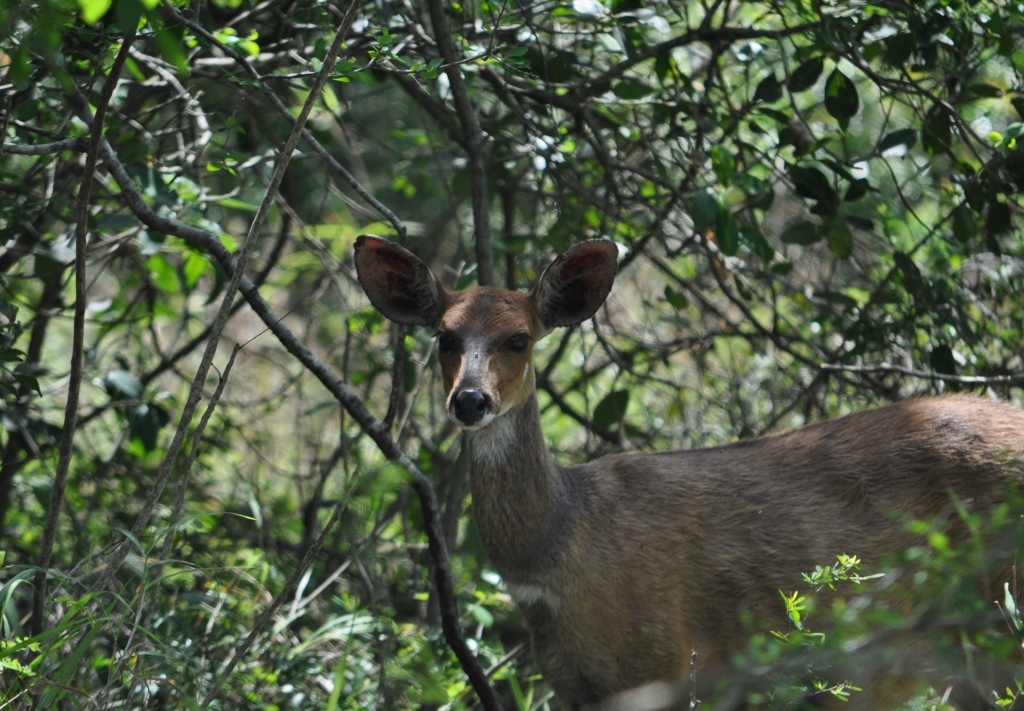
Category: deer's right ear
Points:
column 398, row 283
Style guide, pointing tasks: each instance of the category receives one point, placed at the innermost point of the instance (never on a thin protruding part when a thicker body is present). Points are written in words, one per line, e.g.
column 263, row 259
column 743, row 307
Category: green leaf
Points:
column 676, row 299
column 163, row 274
column 801, row 233
column 768, row 90
column 122, row 385
column 727, row 232
column 236, row 204
column 93, row 10
column 811, row 183
column 722, row 163
column 841, row 99
column 1018, row 105
column 365, row 78
column 193, row 268
column 145, row 422
column 170, row 49
column 20, row 71
column 964, row 227
column 899, row 48
column 704, row 210
column 838, row 168
column 902, row 137
column 29, row 381
column 631, row 90
column 610, row 411
column 937, row 133
column 857, row 190
column 999, row 219
column 482, row 615
column 984, row 90
column 779, row 117
column 806, row 74
column 839, row 237
column 757, row 243
column 129, row 12
column 912, row 278
column 860, row 223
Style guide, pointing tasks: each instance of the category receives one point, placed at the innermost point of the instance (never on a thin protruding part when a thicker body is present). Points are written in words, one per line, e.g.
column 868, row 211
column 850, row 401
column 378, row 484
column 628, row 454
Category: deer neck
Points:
column 521, row 501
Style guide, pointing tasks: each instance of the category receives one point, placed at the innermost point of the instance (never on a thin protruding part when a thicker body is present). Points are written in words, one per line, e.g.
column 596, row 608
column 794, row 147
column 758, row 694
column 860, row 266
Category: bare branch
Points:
column 211, row 244
column 476, row 145
column 67, row 439
column 975, row 380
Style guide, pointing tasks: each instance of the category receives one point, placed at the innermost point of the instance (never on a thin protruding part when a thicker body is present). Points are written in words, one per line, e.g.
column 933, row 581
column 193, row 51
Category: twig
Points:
column 325, row 155
column 476, row 144
column 224, row 312
column 197, row 437
column 300, row 570
column 210, row 243
column 67, row 439
column 72, row 144
column 977, row 380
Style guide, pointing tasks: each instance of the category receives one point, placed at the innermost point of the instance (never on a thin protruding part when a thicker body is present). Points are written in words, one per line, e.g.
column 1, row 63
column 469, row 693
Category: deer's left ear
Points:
column 398, row 283
column 574, row 286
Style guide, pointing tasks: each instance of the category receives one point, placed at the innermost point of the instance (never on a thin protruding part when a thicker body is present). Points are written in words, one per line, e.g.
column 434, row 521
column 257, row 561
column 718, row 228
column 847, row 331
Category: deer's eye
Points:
column 518, row 342
column 445, row 342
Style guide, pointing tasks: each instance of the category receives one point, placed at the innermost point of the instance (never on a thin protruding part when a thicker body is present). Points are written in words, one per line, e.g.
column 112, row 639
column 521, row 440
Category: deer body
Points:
column 624, row 565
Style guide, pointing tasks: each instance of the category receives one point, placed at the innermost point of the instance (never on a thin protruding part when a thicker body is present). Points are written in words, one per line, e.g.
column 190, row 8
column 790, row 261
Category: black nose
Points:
column 470, row 406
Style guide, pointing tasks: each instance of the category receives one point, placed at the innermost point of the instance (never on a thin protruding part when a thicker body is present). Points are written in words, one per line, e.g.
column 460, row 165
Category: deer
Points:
column 625, row 565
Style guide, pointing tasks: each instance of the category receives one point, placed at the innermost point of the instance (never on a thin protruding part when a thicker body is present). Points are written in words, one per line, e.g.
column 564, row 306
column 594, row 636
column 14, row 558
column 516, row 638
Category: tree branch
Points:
column 975, row 380
column 476, row 144
column 67, row 438
column 211, row 244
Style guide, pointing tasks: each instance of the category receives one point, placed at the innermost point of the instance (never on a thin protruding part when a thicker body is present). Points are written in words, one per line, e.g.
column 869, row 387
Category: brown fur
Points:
column 623, row 565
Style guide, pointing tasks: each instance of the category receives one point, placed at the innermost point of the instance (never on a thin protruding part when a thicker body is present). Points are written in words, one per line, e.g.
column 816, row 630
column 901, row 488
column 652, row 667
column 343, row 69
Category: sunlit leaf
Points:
column 93, row 10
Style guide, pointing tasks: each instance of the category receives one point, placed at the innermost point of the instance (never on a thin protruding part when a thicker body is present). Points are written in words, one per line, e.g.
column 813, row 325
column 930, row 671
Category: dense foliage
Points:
column 817, row 203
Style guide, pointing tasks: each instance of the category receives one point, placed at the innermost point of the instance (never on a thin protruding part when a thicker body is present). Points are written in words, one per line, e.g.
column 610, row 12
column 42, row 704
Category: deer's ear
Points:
column 575, row 285
column 398, row 283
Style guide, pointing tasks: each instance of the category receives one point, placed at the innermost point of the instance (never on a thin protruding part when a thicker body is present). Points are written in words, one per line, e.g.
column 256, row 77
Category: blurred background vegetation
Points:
column 817, row 205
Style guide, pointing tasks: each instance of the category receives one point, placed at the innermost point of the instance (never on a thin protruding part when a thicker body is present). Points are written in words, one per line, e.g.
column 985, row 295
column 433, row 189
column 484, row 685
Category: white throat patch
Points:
column 491, row 446
column 532, row 594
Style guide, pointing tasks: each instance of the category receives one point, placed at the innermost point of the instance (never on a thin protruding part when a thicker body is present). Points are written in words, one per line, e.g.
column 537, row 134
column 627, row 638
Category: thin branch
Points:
column 328, row 159
column 210, row 243
column 975, row 380
column 67, row 439
column 224, row 312
column 476, row 144
column 68, row 144
column 437, row 109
